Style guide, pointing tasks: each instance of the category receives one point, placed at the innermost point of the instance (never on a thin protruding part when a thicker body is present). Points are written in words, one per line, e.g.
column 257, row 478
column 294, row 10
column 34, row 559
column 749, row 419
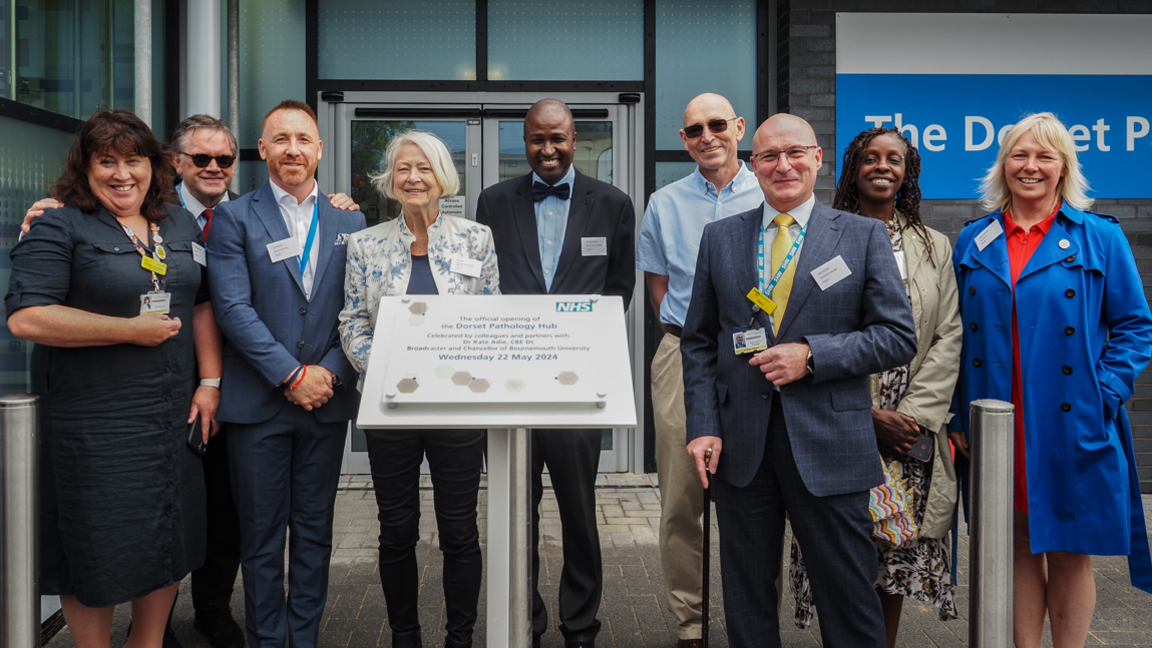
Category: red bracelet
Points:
column 301, row 378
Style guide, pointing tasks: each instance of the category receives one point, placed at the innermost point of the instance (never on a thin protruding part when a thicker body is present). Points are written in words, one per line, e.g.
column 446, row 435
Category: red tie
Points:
column 207, row 223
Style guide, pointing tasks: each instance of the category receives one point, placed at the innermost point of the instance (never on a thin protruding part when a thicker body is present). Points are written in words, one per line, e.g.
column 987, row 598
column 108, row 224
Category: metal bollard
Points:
column 19, row 478
column 990, row 549
column 520, row 591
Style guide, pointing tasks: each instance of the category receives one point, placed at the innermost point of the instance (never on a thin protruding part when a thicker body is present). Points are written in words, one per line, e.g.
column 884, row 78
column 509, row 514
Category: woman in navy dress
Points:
column 121, row 493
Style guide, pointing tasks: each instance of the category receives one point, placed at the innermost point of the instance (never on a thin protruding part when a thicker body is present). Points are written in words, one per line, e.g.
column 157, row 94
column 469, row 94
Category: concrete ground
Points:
column 633, row 611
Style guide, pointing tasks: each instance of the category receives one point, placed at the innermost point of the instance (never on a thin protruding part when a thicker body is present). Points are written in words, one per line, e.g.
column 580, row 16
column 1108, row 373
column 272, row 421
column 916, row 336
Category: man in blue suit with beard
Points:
column 276, row 267
column 785, row 412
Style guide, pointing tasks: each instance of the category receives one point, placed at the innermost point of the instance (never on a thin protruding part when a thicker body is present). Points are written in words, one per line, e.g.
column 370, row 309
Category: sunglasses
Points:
column 202, row 160
column 714, row 126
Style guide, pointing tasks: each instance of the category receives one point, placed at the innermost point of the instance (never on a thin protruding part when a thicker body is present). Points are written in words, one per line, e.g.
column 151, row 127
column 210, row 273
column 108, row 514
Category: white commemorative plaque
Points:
column 499, row 361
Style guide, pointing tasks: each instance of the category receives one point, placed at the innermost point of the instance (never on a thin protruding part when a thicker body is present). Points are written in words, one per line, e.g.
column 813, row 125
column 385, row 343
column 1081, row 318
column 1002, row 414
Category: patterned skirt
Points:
column 921, row 571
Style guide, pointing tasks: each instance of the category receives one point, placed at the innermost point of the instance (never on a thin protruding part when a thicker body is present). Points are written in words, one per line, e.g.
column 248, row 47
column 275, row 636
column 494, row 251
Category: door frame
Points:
column 628, row 175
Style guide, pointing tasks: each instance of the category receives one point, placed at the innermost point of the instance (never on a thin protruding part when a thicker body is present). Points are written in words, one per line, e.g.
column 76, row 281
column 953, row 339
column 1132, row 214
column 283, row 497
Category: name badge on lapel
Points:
column 593, row 246
column 198, row 254
column 831, row 273
column 466, row 267
column 288, row 248
column 989, row 234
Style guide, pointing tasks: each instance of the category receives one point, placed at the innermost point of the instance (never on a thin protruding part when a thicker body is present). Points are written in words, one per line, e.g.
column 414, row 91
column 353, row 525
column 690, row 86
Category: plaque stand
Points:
column 422, row 375
column 509, row 536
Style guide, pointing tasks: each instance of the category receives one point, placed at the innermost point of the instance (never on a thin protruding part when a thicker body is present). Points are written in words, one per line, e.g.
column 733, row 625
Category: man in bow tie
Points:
column 560, row 232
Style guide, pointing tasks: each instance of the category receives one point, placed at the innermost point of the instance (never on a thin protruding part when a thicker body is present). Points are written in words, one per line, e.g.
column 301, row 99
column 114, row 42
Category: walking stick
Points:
column 707, row 547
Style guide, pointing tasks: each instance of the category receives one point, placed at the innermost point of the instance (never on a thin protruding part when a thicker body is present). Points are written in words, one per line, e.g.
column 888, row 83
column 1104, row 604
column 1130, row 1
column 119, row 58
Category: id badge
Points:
column 749, row 340
column 155, row 302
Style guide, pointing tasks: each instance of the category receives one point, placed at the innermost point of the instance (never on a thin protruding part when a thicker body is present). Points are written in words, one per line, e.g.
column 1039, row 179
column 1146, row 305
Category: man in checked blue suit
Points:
column 276, row 264
column 789, row 428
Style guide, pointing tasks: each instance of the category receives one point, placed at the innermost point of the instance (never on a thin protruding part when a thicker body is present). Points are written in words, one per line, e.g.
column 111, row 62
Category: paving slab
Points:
column 633, row 611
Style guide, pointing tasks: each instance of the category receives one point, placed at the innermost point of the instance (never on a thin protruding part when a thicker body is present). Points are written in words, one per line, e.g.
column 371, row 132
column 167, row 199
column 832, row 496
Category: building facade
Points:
column 468, row 70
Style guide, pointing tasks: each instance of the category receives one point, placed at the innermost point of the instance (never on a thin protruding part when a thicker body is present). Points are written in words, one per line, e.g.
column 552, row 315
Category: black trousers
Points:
column 572, row 457
column 456, row 458
column 212, row 584
column 834, row 532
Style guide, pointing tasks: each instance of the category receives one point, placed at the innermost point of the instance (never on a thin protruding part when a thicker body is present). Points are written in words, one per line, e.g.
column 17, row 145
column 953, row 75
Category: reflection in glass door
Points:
column 593, row 156
column 487, row 145
column 370, row 139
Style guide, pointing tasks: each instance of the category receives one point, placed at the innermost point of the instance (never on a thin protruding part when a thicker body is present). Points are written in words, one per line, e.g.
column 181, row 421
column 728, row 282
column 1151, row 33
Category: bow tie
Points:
column 540, row 191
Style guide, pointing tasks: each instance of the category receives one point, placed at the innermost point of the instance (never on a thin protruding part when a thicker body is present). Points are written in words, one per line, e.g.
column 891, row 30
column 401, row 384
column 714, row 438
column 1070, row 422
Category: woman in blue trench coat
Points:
column 1055, row 321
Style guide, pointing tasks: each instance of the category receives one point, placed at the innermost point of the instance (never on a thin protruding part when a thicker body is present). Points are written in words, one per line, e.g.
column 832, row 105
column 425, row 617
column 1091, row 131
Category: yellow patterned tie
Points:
column 780, row 246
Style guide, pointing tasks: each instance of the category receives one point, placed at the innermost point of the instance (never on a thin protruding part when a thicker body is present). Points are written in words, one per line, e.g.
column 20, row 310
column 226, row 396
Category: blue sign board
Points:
column 955, row 121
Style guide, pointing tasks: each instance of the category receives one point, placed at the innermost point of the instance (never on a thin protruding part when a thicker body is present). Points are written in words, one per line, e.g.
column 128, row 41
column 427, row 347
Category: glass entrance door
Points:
column 487, row 145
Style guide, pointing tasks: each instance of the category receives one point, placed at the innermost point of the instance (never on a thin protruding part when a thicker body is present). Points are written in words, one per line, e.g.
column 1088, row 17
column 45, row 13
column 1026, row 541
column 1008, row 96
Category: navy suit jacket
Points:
column 859, row 326
column 598, row 210
column 269, row 327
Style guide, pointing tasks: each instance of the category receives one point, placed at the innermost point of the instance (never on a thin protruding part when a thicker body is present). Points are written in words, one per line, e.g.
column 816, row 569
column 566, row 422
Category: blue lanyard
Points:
column 783, row 266
column 180, row 195
column 311, row 238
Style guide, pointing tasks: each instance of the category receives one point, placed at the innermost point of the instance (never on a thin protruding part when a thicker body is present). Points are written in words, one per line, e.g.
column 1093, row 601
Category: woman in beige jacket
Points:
column 879, row 179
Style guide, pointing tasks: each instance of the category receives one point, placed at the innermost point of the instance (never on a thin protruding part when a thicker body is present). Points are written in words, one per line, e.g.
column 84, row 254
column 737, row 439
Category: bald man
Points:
column 560, row 232
column 784, row 409
column 666, row 250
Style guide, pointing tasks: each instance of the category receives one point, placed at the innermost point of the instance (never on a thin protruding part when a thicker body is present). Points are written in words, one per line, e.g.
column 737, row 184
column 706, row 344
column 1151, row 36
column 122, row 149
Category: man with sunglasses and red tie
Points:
column 669, row 238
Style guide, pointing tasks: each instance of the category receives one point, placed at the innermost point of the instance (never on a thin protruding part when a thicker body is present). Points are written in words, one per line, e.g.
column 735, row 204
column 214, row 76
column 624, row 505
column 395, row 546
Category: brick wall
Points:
column 806, row 85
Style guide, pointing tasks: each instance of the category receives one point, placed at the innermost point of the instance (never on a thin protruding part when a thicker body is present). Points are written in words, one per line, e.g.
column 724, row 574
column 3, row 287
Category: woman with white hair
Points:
column 1055, row 321
column 422, row 252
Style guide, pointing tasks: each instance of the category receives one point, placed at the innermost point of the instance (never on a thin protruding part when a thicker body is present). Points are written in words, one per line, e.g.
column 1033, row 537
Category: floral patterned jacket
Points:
column 380, row 265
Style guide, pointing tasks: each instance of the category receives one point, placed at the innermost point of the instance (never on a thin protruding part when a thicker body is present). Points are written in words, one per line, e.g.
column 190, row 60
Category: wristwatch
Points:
column 215, row 382
column 809, row 362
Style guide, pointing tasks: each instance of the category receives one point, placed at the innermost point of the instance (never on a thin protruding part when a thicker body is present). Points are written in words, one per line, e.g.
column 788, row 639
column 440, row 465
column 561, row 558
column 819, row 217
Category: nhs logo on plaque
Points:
column 574, row 307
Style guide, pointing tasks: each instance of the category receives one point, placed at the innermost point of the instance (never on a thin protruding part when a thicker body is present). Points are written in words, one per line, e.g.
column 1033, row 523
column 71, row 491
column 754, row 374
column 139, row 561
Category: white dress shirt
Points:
column 195, row 207
column 298, row 218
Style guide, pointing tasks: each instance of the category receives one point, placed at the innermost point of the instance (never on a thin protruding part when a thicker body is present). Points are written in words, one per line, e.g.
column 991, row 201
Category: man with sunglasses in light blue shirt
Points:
column 666, row 251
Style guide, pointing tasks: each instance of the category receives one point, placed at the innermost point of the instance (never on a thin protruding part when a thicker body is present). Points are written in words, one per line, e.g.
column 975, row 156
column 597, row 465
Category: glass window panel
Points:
column 123, row 55
column 252, row 175
column 369, row 141
column 5, row 49
column 600, row 40
column 669, row 172
column 723, row 60
column 59, row 63
column 359, row 40
column 272, row 61
column 593, row 156
column 31, row 157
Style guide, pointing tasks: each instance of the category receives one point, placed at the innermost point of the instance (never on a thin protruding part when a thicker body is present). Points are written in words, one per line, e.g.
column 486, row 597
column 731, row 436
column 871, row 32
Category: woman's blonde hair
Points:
column 443, row 168
column 1051, row 134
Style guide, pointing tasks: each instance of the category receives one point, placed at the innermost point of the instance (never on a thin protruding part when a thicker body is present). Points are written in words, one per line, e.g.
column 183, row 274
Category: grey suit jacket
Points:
column 858, row 326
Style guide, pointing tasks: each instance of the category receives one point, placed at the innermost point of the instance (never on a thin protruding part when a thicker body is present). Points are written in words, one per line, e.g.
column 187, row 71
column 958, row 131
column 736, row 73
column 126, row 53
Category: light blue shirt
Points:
column 551, row 222
column 800, row 217
column 674, row 223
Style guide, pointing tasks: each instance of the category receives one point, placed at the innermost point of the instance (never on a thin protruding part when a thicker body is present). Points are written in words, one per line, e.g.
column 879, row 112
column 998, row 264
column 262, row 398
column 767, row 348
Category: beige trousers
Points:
column 681, row 496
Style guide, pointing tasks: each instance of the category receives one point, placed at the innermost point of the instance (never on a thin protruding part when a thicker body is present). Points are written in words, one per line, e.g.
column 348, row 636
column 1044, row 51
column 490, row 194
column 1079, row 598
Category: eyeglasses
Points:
column 714, row 126
column 794, row 153
column 202, row 160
